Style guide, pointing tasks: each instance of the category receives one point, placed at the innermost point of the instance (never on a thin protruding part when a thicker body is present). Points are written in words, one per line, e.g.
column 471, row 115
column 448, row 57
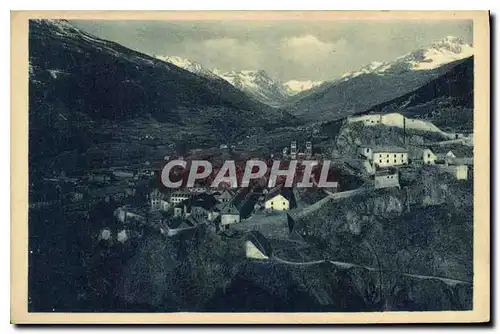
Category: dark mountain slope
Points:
column 119, row 82
column 447, row 101
column 340, row 99
column 78, row 82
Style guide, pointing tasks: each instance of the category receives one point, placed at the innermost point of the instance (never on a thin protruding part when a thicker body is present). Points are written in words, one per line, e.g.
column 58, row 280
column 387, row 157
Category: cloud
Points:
column 287, row 50
column 308, row 48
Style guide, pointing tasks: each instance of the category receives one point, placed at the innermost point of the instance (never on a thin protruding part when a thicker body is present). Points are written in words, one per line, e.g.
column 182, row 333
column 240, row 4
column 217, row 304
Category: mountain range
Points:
column 94, row 103
column 299, row 95
column 257, row 83
column 378, row 82
column 447, row 101
column 85, row 91
column 79, row 83
column 441, row 52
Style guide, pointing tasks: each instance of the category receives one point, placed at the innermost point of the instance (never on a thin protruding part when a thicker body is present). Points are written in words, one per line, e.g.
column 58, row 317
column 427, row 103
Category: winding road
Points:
column 347, row 265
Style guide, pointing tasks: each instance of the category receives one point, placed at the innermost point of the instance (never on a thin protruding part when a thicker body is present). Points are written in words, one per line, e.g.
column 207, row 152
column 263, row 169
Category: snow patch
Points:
column 441, row 52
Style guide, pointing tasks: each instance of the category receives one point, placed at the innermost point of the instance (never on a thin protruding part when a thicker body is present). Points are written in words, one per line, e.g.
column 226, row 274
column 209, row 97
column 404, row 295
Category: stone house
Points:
column 386, row 178
column 158, row 200
column 229, row 214
column 279, row 199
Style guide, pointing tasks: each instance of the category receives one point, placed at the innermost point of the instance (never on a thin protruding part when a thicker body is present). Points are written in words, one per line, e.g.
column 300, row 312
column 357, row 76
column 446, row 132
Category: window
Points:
column 284, row 204
column 394, row 155
column 428, row 155
column 387, row 155
column 394, row 160
column 387, row 160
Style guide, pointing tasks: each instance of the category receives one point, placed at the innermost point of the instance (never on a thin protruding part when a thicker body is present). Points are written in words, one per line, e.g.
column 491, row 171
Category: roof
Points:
column 230, row 209
column 440, row 149
column 225, row 193
column 260, row 242
column 205, row 201
column 156, row 216
column 141, row 210
column 181, row 192
column 386, row 171
column 290, row 222
column 240, row 196
column 460, row 151
column 391, row 149
column 179, row 223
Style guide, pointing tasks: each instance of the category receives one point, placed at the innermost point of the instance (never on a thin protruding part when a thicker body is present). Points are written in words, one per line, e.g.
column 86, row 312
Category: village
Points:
column 259, row 215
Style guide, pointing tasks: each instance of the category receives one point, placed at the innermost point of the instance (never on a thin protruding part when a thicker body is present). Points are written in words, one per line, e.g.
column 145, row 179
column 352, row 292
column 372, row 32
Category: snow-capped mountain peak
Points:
column 438, row 53
column 375, row 66
column 296, row 86
column 188, row 65
column 256, row 83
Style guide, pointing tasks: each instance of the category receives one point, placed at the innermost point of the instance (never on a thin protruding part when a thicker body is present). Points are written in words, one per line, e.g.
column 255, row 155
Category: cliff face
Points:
column 181, row 273
column 393, row 260
column 410, row 230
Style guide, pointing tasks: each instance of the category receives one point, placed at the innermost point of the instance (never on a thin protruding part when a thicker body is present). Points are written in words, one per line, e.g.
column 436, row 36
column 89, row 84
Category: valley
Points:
column 105, row 119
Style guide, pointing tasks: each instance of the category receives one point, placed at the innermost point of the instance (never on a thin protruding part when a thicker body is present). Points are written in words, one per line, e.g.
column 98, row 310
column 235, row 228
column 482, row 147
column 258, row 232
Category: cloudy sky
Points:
column 287, row 50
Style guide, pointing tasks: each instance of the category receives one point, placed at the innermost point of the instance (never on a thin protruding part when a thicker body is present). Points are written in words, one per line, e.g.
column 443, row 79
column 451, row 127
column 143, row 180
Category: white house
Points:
column 201, row 207
column 462, row 155
column 158, row 201
column 224, row 196
column 279, row 199
column 429, row 157
column 448, row 156
column 229, row 215
column 179, row 196
column 385, row 156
